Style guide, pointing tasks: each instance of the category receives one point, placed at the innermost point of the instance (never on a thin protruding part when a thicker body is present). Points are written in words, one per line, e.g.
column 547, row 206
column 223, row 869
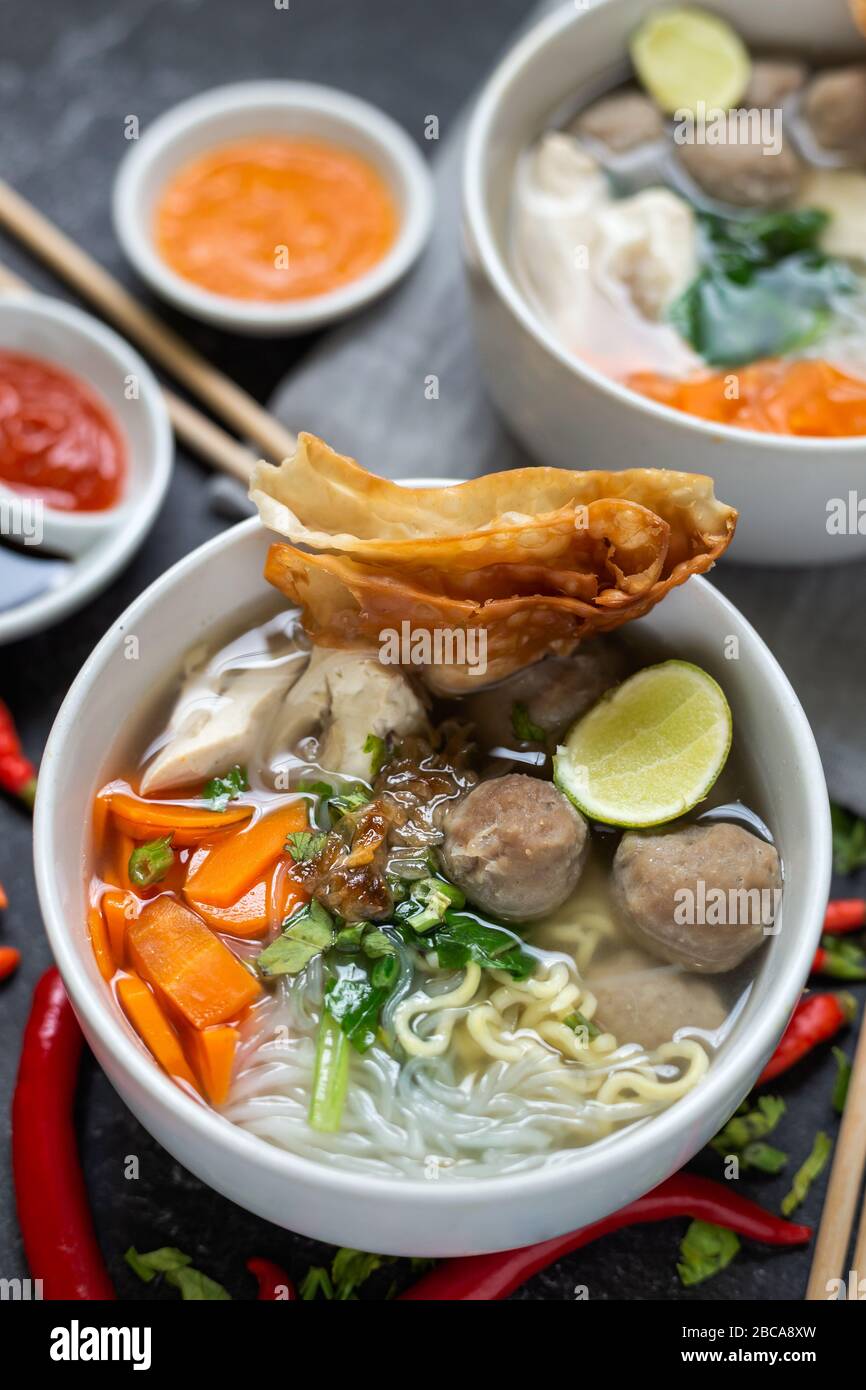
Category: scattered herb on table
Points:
column 350, row 1270
column 806, row 1175
column 704, row 1251
column 176, row 1269
column 842, row 1081
column 219, row 791
column 744, row 1135
column 849, row 840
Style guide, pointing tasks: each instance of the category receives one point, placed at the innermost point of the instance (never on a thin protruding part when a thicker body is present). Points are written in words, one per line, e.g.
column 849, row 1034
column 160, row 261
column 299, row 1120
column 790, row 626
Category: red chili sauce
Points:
column 58, row 441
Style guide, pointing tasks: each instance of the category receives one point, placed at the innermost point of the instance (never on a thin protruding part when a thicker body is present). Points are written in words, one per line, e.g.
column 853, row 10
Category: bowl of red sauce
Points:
column 272, row 207
column 85, row 457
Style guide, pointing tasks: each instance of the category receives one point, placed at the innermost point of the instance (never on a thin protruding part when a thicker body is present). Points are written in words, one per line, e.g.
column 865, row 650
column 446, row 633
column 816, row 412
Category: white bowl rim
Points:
column 475, row 210
column 92, row 571
column 396, row 147
column 586, row 1164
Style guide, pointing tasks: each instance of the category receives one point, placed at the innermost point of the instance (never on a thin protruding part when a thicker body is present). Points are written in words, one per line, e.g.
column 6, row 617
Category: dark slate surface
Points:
column 69, row 75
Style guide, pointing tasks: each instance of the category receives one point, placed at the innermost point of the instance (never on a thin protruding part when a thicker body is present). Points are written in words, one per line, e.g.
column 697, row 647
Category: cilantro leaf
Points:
column 176, row 1268
column 305, row 844
column 462, row 938
column 375, row 746
column 307, row 933
column 219, row 791
column 355, row 998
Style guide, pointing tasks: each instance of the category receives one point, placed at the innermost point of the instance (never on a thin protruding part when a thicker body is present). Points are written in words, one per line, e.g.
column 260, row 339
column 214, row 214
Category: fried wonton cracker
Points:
column 537, row 559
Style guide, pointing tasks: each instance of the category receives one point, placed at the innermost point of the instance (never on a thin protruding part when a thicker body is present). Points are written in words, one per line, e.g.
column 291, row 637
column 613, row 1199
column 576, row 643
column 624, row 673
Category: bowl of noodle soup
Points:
column 476, row 1116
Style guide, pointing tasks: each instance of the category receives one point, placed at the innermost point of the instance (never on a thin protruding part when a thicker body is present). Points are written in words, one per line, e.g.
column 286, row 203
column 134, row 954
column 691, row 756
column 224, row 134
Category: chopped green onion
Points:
column 577, row 1022
column 747, row 1126
column 764, row 1157
column 843, row 1078
column 435, row 897
column 808, row 1172
column 305, row 844
column 705, row 1250
column 219, row 791
column 330, row 1076
column 149, row 864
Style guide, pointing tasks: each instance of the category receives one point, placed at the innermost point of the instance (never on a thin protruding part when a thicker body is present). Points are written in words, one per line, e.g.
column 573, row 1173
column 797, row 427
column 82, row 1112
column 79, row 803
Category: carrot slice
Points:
column 212, row 1052
column 154, row 1029
column 251, row 914
column 174, row 950
column 143, row 819
column 99, row 820
column 123, row 849
column 233, row 866
column 119, row 908
column 99, row 942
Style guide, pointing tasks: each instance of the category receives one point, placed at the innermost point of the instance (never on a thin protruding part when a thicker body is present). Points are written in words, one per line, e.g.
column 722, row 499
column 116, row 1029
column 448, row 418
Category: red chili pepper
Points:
column 17, row 773
column 275, row 1286
column 816, row 1019
column 845, row 914
column 4, row 901
column 10, row 959
column 490, row 1277
column 53, row 1213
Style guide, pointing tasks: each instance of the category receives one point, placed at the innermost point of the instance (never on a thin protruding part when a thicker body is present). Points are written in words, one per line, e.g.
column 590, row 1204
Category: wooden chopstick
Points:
column 840, row 1204
column 70, row 263
column 193, row 429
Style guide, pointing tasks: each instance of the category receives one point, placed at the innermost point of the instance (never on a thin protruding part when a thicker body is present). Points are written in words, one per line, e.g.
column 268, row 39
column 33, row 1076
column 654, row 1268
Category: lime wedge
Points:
column 683, row 56
column 649, row 750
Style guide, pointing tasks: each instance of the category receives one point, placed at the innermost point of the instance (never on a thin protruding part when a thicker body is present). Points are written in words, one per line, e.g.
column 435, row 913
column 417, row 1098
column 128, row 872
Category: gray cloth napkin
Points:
column 365, row 390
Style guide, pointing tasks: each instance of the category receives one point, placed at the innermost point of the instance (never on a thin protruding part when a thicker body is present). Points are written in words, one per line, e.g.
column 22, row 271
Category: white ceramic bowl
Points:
column 565, row 411
column 269, row 108
column 97, row 543
column 417, row 1217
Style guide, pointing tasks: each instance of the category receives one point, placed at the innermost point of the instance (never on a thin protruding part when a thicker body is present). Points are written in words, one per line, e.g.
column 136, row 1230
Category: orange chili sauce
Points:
column 274, row 218
column 115, row 902
column 58, row 441
column 808, row 397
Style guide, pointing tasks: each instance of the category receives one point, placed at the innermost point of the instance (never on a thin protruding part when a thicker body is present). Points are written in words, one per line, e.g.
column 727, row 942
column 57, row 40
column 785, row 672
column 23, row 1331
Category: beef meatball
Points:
column 772, row 80
column 835, row 106
column 515, row 846
column 700, row 897
column 552, row 694
column 640, row 1001
column 743, row 173
column 621, row 121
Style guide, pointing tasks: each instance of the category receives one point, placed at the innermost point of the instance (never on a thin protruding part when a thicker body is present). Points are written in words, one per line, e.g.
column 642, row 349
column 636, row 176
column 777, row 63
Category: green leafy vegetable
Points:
column 354, row 999
column 149, row 864
column 305, row 844
column 375, row 746
column 704, row 1251
column 849, row 840
column 377, row 944
column 307, row 933
column 317, row 788
column 219, row 791
column 349, row 938
column 523, row 727
column 843, row 1079
column 177, row 1270
column 349, row 801
column 764, row 288
column 462, row 938
column 806, row 1175
column 330, row 1077
column 350, row 1269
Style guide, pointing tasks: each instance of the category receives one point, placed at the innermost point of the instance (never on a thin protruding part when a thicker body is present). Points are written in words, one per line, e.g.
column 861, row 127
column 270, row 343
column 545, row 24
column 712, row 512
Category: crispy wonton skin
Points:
column 539, row 558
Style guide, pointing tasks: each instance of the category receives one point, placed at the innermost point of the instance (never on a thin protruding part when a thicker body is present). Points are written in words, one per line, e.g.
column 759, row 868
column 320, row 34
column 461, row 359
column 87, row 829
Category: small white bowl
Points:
column 565, row 411
column 269, row 108
column 97, row 544
column 413, row 1216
